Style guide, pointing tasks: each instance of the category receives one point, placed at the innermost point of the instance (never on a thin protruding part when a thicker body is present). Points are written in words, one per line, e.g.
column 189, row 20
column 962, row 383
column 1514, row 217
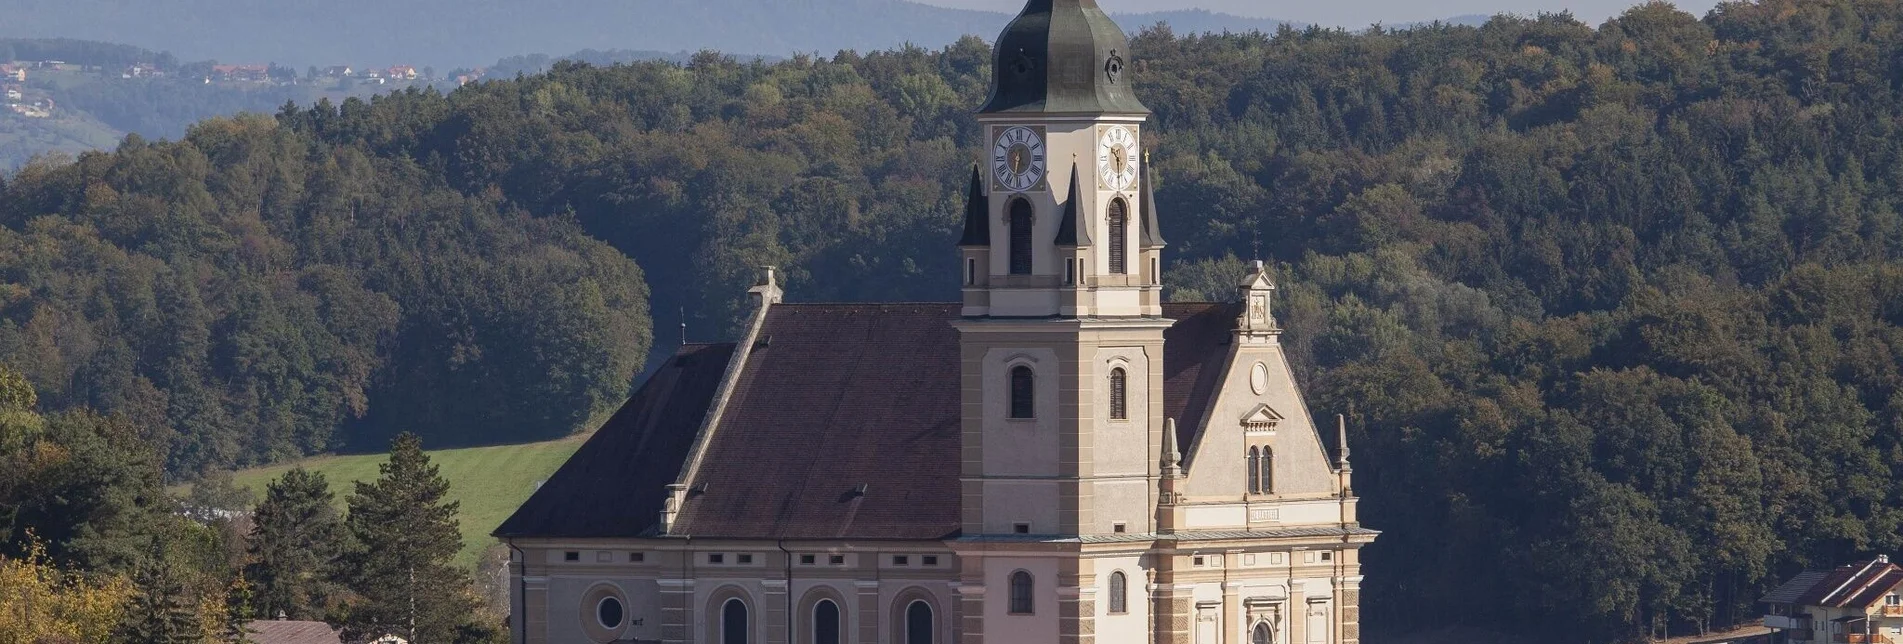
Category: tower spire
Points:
column 1072, row 230
column 977, row 230
column 1151, row 235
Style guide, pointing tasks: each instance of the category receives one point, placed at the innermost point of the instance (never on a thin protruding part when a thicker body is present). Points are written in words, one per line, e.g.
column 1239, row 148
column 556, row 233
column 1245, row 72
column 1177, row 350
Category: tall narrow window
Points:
column 971, row 271
column 733, row 622
column 1021, row 593
column 1261, row 635
column 918, row 623
column 826, row 622
column 1268, row 471
column 1119, row 218
column 1118, row 409
column 1020, row 237
column 1023, row 393
column 1255, row 473
column 1119, row 602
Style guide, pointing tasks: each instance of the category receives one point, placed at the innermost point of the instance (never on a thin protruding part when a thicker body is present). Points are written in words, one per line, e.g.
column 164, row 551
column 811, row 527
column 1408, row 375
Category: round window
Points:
column 609, row 612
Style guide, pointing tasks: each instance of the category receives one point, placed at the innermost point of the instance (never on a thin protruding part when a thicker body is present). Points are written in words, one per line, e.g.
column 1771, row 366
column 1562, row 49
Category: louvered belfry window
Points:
column 1119, row 410
column 1119, row 221
column 1020, row 237
column 1023, row 392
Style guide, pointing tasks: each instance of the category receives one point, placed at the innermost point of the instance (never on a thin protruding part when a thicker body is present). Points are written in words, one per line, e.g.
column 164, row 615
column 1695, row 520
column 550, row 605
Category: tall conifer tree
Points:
column 406, row 535
column 164, row 606
column 297, row 537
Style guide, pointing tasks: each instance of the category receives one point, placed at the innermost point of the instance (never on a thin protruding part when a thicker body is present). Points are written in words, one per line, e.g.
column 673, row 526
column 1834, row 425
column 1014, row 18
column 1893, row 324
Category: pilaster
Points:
column 868, row 611
column 971, row 612
column 773, row 617
column 677, row 610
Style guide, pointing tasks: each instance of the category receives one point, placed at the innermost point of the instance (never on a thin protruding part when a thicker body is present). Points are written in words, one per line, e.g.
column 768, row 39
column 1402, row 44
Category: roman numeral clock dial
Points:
column 1017, row 159
column 1117, row 159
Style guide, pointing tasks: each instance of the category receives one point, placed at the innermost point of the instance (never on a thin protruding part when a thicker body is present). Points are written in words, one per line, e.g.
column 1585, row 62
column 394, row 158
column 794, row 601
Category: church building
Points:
column 1060, row 457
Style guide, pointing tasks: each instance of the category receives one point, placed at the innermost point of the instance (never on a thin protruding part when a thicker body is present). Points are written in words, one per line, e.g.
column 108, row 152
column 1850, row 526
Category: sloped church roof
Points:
column 832, row 397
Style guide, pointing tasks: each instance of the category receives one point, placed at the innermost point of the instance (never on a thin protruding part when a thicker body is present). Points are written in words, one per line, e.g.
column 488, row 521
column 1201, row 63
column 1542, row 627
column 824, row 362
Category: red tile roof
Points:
column 833, row 396
column 1856, row 585
column 268, row 631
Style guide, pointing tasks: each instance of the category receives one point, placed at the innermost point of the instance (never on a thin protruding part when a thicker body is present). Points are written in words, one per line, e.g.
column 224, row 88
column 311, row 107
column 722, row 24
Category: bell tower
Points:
column 1061, row 335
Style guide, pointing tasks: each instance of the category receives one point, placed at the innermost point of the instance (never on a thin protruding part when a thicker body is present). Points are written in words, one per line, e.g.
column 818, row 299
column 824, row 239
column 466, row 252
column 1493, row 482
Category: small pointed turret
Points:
column 1072, row 230
column 977, row 230
column 1151, row 233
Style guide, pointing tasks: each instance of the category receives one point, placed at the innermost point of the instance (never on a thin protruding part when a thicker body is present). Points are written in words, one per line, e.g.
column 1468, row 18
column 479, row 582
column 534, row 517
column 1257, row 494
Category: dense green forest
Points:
column 1618, row 311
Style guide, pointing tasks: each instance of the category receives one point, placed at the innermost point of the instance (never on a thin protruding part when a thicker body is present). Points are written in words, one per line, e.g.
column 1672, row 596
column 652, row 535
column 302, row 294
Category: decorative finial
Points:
column 1172, row 457
column 1341, row 440
column 683, row 326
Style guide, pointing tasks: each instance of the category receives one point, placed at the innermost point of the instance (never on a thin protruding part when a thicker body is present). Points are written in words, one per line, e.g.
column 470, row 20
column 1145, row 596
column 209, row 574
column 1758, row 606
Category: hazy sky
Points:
column 1358, row 13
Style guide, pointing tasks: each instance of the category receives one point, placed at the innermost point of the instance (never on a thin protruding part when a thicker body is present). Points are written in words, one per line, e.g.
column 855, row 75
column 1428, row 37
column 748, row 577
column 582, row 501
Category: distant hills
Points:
column 453, row 33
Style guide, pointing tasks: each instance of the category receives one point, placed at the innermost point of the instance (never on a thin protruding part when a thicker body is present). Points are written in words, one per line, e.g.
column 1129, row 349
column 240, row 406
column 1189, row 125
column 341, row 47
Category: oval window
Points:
column 609, row 612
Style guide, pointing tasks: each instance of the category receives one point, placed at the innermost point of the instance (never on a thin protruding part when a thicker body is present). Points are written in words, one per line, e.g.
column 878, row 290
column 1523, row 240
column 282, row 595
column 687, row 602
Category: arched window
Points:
column 1119, row 221
column 1261, row 634
column 1119, row 410
column 918, row 623
column 1021, row 593
column 1255, row 472
column 1119, row 601
column 1023, row 392
column 733, row 622
column 1268, row 471
column 1020, row 237
column 826, row 622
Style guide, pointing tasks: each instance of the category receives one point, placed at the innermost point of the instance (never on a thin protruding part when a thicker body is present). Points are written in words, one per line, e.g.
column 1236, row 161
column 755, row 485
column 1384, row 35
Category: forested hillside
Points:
column 1615, row 310
column 250, row 294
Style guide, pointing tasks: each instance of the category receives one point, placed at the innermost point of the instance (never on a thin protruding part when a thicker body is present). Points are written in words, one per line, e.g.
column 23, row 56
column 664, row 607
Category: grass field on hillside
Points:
column 490, row 481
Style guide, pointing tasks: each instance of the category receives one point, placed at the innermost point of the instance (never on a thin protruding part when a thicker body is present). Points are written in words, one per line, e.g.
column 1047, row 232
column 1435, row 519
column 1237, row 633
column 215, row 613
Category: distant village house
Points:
column 338, row 71
column 401, row 72
column 241, row 73
column 15, row 73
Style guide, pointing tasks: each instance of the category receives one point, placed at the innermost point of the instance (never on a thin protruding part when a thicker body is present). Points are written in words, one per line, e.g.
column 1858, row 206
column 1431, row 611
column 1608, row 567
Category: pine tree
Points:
column 164, row 608
column 297, row 537
column 406, row 535
column 238, row 611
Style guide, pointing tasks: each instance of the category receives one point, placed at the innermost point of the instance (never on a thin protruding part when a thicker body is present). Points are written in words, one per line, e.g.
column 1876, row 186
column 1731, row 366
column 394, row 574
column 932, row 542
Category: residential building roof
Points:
column 1795, row 588
column 1856, row 585
column 843, row 423
column 281, row 631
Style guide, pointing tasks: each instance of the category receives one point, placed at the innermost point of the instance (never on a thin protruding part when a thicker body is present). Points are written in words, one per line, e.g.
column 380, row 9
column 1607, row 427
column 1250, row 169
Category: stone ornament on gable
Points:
column 1261, row 420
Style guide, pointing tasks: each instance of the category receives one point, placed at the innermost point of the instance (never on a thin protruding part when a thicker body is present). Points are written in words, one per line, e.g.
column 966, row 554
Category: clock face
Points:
column 1117, row 158
column 1017, row 159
